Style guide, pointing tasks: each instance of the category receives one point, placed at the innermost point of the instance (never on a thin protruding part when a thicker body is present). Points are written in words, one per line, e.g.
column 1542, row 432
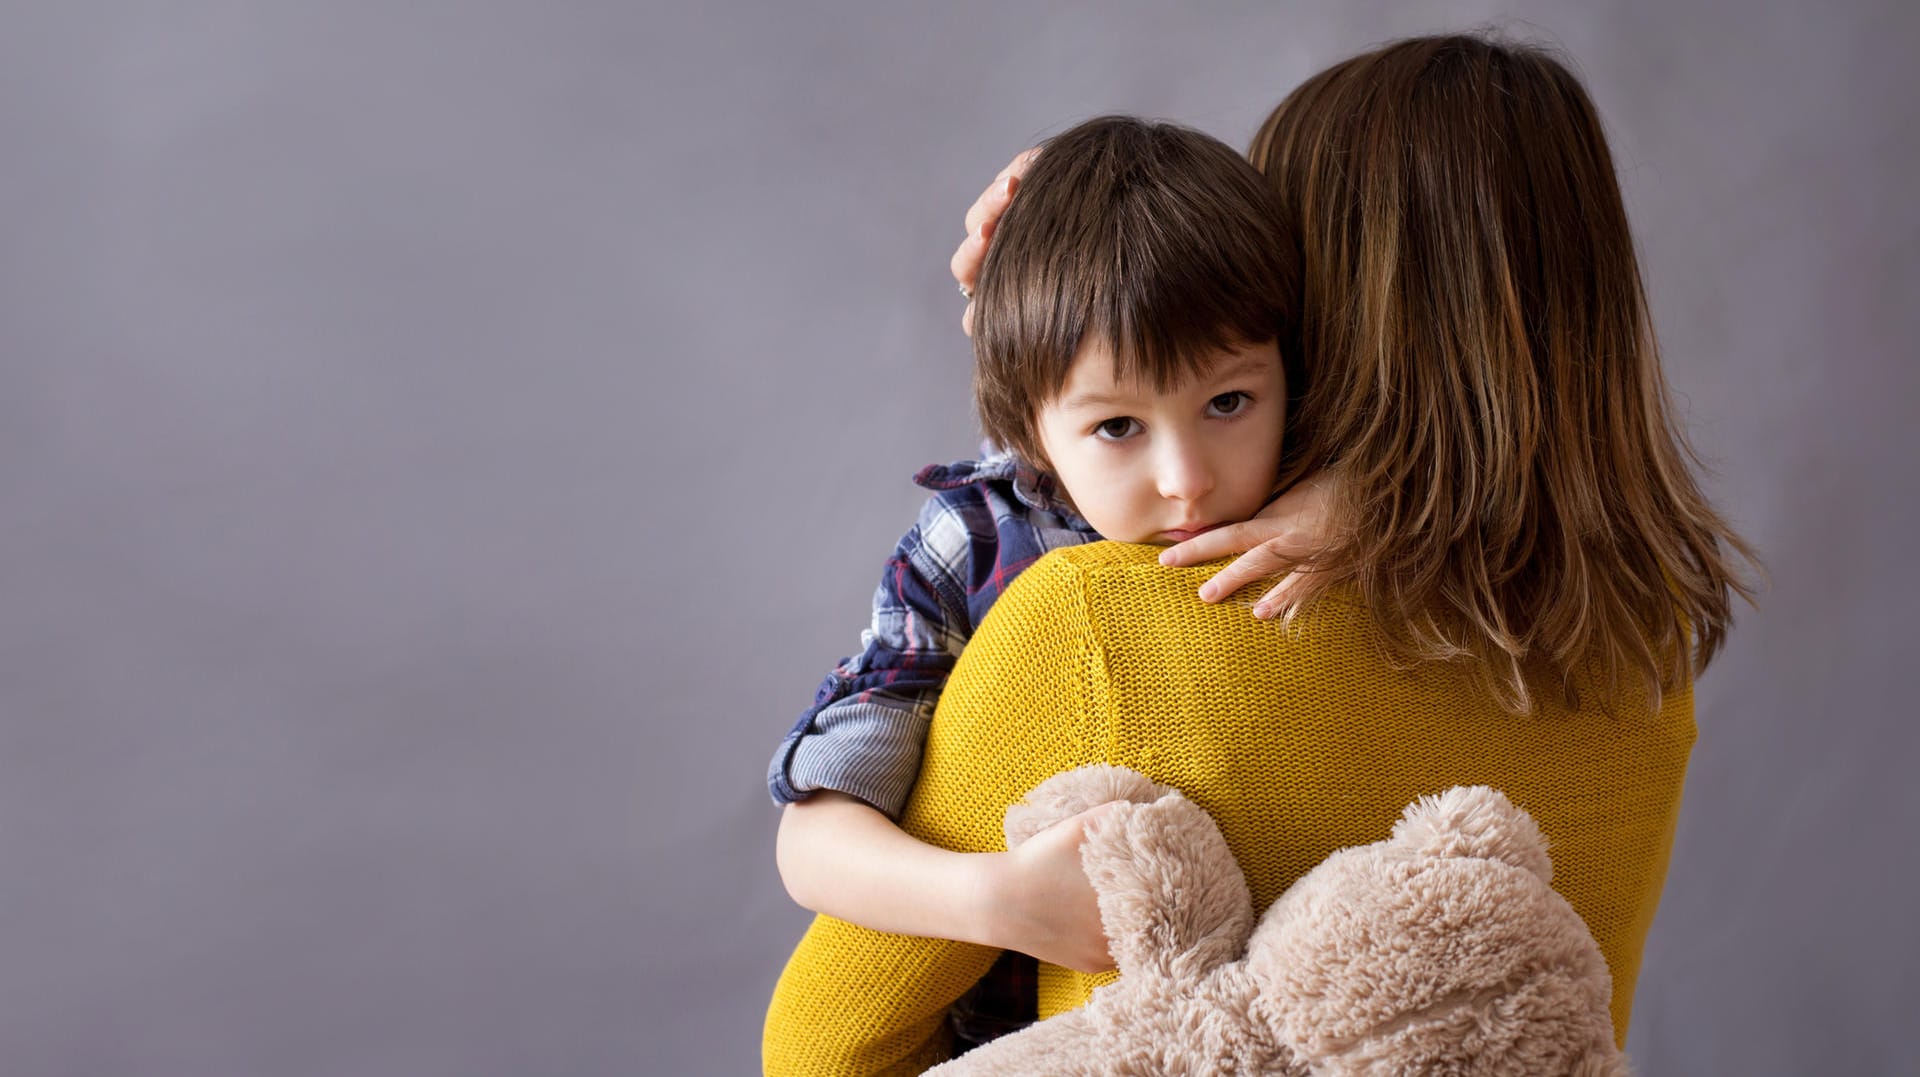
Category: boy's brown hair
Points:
column 1155, row 239
column 1513, row 489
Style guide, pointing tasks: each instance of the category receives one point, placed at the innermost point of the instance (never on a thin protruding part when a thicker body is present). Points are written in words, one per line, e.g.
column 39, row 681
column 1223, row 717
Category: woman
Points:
column 1503, row 571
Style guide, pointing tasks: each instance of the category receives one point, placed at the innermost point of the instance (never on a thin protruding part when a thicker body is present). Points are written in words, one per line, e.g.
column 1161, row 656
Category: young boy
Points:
column 1134, row 351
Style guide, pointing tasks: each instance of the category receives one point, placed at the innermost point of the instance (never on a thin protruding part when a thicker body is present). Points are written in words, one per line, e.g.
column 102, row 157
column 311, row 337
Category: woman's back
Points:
column 1297, row 744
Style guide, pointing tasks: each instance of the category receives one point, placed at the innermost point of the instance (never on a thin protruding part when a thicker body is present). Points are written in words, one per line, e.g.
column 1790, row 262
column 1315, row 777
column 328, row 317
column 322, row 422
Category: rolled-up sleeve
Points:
column 867, row 727
column 854, row 1001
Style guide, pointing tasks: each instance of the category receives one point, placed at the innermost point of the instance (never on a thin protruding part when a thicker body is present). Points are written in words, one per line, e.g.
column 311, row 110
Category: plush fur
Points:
column 1441, row 950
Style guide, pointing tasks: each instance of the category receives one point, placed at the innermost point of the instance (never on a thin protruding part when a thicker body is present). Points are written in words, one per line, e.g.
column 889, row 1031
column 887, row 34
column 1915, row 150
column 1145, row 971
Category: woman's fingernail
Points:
column 1263, row 612
column 1208, row 592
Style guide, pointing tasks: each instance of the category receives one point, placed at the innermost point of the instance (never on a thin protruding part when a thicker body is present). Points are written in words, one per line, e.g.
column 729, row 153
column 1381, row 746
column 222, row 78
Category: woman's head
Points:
column 1484, row 379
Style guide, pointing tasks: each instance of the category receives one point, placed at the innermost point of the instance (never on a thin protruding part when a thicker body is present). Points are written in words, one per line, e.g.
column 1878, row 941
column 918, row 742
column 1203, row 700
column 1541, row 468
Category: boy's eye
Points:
column 1115, row 429
column 1228, row 403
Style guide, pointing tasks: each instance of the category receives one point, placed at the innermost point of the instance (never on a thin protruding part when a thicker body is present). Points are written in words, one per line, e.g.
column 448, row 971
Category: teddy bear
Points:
column 1440, row 950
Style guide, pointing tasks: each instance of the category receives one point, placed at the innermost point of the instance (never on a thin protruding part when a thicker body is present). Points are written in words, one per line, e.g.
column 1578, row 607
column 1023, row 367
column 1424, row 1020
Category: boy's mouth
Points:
column 1182, row 534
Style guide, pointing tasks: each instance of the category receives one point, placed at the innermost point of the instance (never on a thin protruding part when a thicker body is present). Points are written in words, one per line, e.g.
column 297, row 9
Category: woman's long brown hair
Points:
column 1483, row 377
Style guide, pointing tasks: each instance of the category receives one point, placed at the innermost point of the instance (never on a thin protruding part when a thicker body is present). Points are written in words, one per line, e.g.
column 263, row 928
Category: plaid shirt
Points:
column 987, row 521
column 864, row 734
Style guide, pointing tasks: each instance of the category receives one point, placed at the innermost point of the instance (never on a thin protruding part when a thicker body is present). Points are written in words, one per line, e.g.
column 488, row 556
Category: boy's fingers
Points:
column 1256, row 564
column 1271, row 538
column 1275, row 600
column 1100, row 811
column 1215, row 544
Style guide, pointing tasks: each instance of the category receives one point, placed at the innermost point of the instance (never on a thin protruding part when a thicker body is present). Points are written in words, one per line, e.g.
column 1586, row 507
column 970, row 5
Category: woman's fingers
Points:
column 992, row 202
column 966, row 269
column 984, row 216
column 967, row 258
column 986, row 209
column 972, row 252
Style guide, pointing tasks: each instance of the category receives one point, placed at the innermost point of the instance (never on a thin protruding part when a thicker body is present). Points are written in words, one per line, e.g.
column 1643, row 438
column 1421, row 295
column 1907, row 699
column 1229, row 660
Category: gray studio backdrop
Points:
column 442, row 444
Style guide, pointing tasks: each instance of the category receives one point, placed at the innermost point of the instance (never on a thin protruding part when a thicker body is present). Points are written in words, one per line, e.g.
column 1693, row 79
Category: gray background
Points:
column 443, row 444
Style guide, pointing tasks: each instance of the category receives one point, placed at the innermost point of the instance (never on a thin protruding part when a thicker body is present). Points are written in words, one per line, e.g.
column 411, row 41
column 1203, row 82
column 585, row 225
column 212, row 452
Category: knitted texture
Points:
column 1298, row 742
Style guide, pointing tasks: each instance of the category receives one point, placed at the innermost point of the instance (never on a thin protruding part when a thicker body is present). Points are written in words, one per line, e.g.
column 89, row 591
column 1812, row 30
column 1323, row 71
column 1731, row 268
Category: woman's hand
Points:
column 1290, row 529
column 1042, row 902
column 982, row 217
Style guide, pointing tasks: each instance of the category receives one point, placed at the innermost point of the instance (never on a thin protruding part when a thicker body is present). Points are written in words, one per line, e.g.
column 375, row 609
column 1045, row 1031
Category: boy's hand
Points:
column 1290, row 529
column 1043, row 903
column 982, row 217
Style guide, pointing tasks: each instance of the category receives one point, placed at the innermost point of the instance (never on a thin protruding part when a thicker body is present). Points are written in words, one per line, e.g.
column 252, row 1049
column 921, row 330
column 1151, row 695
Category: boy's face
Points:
column 1153, row 467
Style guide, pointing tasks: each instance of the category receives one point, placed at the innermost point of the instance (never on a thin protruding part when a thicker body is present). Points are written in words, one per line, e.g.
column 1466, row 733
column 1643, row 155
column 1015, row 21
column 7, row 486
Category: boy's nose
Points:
column 1184, row 474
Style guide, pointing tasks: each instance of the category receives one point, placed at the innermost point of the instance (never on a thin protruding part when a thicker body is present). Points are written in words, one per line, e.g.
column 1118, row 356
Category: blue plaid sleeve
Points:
column 867, row 728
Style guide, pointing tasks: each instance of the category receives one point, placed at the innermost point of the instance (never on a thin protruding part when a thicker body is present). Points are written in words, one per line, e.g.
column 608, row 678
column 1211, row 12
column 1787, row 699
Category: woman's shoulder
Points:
column 1108, row 555
column 1080, row 571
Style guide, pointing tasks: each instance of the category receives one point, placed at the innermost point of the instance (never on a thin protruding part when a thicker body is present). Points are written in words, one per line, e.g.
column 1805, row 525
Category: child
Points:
column 1134, row 355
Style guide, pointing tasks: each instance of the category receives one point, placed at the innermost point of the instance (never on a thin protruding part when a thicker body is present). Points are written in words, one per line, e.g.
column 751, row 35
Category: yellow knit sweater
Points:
column 1298, row 743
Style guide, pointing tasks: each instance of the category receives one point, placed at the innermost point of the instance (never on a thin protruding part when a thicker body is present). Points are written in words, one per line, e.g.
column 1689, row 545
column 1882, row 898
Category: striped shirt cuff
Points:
column 865, row 751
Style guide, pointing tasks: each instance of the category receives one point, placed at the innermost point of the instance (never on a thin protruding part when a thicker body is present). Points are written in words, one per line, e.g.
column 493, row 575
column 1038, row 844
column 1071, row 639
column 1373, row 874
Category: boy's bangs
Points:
column 1161, row 338
column 1155, row 241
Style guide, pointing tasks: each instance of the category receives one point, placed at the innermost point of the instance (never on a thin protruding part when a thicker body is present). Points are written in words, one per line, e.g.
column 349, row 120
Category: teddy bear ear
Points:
column 1473, row 820
column 1074, row 791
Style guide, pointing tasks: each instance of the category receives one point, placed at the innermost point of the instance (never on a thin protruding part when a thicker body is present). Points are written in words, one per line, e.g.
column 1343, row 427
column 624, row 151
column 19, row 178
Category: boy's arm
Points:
column 855, row 1001
column 845, row 772
column 844, row 859
column 864, row 733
